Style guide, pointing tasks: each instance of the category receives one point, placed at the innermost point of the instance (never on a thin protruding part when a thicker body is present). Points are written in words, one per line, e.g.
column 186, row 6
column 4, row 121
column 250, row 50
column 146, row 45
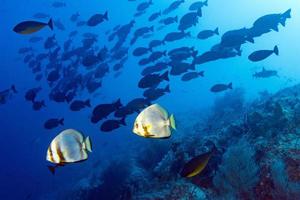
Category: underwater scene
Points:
column 150, row 100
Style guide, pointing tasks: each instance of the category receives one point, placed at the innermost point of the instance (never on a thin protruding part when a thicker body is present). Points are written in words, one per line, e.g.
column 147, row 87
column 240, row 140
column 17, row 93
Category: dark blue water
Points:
column 24, row 140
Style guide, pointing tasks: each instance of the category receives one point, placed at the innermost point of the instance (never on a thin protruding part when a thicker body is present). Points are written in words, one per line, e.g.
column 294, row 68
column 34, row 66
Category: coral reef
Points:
column 257, row 155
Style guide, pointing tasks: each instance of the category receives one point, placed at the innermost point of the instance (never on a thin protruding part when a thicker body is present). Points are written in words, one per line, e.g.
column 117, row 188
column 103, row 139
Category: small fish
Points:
column 173, row 6
column 29, row 27
column 141, row 51
column 53, row 123
column 41, row 15
column 143, row 6
column 152, row 80
column 111, row 125
column 81, row 23
column 220, row 87
column 265, row 73
column 74, row 17
column 155, row 43
column 155, row 93
column 169, row 20
column 5, row 94
column 192, row 75
column 207, row 34
column 154, row 16
column 262, row 54
column 37, row 105
column 77, row 105
column 103, row 110
column 58, row 4
column 35, row 39
column 170, row 37
column 59, row 25
column 198, row 5
column 154, row 122
column 31, row 94
column 69, row 146
column 196, row 165
column 97, row 19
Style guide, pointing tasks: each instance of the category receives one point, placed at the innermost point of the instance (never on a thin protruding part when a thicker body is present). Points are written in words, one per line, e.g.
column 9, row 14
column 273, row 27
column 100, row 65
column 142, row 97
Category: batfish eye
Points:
column 136, row 125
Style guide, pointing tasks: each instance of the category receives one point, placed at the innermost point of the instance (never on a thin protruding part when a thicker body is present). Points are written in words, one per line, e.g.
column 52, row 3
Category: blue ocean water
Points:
column 24, row 173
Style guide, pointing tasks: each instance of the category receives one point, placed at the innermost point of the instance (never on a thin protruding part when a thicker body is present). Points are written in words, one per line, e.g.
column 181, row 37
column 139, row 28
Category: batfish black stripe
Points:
column 60, row 154
column 50, row 154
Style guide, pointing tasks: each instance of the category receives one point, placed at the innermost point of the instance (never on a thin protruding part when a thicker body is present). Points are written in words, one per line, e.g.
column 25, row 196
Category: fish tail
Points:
column 201, row 73
column 216, row 31
column 51, row 169
column 61, row 121
column 13, row 88
column 287, row 14
column 276, row 51
column 172, row 122
column 122, row 121
column 205, row 3
column 167, row 89
column 50, row 24
column 165, row 76
column 176, row 19
column 230, row 85
column 239, row 52
column 106, row 15
column 88, row 103
column 118, row 103
column 88, row 144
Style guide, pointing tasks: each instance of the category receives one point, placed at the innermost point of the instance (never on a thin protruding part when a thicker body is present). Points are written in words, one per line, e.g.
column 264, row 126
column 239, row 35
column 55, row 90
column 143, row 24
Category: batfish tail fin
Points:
column 50, row 24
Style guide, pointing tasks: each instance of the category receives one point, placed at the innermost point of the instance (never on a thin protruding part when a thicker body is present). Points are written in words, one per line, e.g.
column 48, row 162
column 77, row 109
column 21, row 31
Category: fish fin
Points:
column 13, row 88
column 118, row 103
column 176, row 19
column 216, row 31
column 287, row 14
column 167, row 89
column 172, row 122
column 61, row 121
column 165, row 76
column 88, row 144
column 88, row 103
column 275, row 28
column 205, row 3
column 276, row 51
column 50, row 24
column 230, row 85
column 105, row 16
column 51, row 169
column 201, row 73
column 199, row 12
column 123, row 122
